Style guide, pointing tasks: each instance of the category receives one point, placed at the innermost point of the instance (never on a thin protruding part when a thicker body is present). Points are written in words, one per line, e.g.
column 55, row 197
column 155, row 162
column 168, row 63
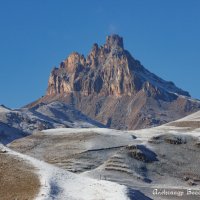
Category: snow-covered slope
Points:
column 4, row 108
column 162, row 157
column 64, row 114
column 63, row 185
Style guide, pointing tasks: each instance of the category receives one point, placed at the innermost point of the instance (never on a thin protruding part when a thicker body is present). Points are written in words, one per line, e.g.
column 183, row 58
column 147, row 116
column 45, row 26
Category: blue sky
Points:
column 36, row 35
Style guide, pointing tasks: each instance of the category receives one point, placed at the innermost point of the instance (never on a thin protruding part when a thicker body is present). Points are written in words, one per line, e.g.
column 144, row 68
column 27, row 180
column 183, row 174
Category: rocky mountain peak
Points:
column 95, row 47
column 113, row 41
column 74, row 59
column 108, row 70
column 114, row 88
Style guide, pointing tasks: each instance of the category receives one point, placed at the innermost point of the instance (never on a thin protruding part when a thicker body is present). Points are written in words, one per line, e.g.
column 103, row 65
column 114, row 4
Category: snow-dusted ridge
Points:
column 25, row 121
column 4, row 108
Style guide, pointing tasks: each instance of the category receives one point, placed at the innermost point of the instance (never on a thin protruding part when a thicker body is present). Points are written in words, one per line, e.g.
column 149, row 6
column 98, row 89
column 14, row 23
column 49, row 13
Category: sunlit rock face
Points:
column 112, row 87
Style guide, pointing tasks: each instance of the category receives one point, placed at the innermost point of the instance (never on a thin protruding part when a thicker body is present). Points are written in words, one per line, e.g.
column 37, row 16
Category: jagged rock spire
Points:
column 114, row 41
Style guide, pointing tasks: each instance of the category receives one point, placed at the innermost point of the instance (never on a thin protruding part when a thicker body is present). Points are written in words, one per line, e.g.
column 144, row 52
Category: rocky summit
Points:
column 112, row 87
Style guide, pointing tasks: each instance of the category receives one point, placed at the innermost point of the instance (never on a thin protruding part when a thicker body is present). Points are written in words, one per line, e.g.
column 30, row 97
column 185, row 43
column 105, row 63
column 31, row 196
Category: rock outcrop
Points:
column 111, row 86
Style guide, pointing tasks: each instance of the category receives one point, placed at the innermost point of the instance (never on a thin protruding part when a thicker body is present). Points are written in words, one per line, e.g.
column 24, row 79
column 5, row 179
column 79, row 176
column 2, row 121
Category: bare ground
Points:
column 17, row 179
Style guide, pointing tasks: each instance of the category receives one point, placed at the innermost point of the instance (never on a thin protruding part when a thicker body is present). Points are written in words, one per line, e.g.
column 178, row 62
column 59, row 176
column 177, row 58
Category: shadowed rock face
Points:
column 112, row 87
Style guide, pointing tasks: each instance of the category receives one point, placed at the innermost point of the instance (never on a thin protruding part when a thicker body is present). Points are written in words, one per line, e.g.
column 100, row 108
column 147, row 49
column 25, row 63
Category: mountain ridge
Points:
column 22, row 122
column 114, row 88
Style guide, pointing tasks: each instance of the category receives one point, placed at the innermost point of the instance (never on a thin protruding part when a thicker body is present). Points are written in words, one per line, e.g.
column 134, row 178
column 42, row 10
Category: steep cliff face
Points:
column 107, row 70
column 112, row 87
